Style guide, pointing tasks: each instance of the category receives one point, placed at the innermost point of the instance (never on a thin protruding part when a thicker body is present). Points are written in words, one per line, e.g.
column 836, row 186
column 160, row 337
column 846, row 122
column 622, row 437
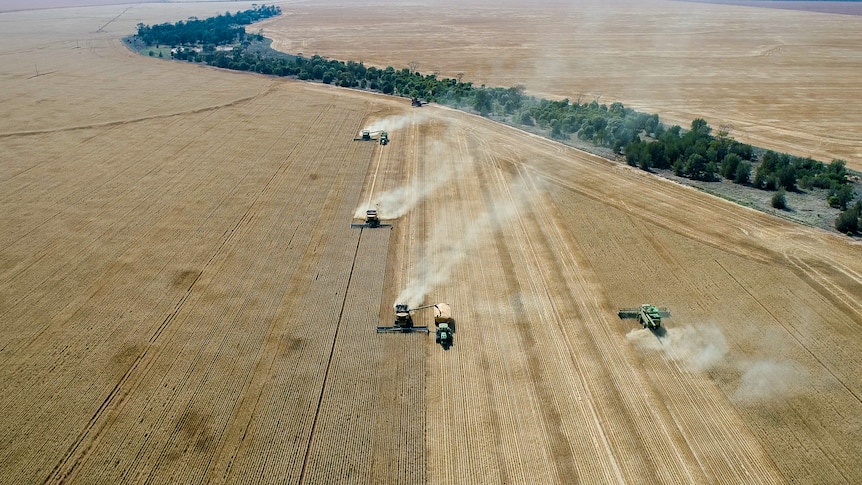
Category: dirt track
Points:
column 181, row 298
column 785, row 80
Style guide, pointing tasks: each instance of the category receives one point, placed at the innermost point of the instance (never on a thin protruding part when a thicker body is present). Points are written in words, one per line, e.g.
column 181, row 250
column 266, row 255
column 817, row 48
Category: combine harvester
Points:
column 372, row 221
column 442, row 320
column 376, row 135
column 647, row 315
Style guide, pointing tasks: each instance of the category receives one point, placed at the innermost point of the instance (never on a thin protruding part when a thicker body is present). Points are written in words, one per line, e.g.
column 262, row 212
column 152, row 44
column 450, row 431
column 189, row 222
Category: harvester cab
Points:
column 367, row 135
column 372, row 220
column 442, row 319
column 649, row 316
column 403, row 321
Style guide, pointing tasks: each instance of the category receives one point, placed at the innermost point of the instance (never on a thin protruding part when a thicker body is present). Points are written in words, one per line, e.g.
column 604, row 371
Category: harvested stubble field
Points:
column 182, row 300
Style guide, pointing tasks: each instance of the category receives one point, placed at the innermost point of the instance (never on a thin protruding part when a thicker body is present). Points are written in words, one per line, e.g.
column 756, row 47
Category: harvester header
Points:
column 647, row 315
column 372, row 220
column 442, row 320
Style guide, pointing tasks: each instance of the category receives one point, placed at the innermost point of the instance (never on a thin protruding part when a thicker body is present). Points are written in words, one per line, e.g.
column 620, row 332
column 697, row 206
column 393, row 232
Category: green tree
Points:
column 848, row 221
column 729, row 165
column 743, row 173
column 779, row 200
column 482, row 102
column 695, row 167
column 841, row 196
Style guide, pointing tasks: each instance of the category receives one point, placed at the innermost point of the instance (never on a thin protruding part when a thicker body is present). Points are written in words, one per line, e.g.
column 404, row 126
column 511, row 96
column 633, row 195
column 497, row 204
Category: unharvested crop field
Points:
column 783, row 79
column 182, row 299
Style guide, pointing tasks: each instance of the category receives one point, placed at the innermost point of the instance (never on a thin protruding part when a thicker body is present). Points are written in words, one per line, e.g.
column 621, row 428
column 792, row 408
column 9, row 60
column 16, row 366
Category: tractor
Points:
column 442, row 319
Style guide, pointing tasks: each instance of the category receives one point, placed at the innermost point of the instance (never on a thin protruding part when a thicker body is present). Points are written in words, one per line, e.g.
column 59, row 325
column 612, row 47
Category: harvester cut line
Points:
column 328, row 364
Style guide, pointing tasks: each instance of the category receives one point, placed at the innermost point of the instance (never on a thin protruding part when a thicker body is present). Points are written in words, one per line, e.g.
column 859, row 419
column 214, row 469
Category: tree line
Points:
column 219, row 30
column 644, row 141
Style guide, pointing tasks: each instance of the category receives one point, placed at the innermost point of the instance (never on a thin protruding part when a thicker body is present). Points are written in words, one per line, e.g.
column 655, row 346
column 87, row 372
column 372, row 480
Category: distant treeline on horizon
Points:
column 645, row 142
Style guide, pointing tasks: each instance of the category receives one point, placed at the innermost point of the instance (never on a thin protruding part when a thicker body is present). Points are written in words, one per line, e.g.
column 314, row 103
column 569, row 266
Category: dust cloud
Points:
column 702, row 348
column 397, row 122
column 765, row 380
column 397, row 202
column 443, row 255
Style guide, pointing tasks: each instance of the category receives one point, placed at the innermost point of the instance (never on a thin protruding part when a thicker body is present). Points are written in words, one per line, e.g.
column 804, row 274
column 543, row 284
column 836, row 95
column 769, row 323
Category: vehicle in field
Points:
column 404, row 320
column 372, row 221
column 442, row 320
column 369, row 135
column 649, row 316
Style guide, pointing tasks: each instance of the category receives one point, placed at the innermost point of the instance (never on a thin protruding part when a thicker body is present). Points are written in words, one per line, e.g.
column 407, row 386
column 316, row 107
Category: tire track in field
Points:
column 328, row 365
column 140, row 202
column 117, row 396
column 107, row 205
column 560, row 447
column 246, row 219
column 681, row 426
column 847, row 300
column 268, row 187
column 793, row 332
column 561, row 249
column 268, row 413
column 109, row 124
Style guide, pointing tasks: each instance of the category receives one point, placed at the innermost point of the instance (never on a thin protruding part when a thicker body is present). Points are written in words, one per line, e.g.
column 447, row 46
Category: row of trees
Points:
column 780, row 171
column 642, row 138
column 219, row 30
column 695, row 154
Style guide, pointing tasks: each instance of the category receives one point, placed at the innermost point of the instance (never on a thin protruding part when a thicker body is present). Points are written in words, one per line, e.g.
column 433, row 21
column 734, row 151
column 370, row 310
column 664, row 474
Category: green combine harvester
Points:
column 647, row 315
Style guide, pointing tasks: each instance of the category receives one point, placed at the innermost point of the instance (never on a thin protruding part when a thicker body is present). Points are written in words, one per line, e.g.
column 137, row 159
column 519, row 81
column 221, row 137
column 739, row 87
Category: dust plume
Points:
column 397, row 122
column 699, row 348
column 394, row 203
column 397, row 202
column 765, row 380
column 443, row 255
column 703, row 348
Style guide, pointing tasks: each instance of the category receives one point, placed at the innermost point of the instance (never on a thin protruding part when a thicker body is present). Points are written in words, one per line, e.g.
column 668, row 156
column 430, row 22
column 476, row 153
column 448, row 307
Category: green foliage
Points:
column 729, row 165
column 743, row 173
column 779, row 200
column 849, row 221
column 841, row 196
column 218, row 30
